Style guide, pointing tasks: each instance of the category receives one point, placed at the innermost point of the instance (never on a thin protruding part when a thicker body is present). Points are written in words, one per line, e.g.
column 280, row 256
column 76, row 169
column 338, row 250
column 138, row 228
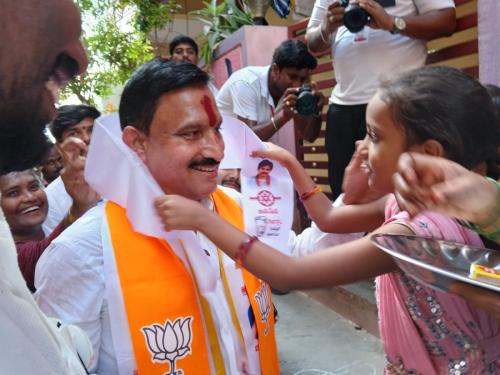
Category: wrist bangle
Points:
column 274, row 124
column 308, row 194
column 243, row 250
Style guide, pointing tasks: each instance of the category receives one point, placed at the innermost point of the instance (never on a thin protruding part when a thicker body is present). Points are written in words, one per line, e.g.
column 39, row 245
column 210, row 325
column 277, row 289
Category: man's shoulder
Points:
column 84, row 234
column 250, row 74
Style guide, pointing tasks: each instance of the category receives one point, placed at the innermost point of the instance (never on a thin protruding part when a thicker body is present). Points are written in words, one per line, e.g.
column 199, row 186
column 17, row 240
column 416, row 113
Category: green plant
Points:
column 117, row 36
column 220, row 22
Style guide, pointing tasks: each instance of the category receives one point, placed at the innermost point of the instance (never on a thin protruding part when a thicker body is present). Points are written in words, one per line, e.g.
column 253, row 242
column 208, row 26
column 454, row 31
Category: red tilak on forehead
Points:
column 209, row 109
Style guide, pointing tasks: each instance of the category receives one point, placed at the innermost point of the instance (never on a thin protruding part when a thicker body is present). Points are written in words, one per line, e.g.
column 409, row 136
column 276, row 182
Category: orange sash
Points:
column 161, row 303
column 258, row 292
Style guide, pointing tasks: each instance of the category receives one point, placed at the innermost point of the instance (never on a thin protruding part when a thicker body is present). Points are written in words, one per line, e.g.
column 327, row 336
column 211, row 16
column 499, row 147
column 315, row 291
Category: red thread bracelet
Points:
column 308, row 194
column 243, row 250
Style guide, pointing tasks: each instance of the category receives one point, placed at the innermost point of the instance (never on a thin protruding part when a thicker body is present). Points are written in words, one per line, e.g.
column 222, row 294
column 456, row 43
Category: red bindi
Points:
column 209, row 109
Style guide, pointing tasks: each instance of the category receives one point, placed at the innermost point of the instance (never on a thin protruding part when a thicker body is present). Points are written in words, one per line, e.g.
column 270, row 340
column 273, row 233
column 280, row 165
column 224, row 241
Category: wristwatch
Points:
column 398, row 25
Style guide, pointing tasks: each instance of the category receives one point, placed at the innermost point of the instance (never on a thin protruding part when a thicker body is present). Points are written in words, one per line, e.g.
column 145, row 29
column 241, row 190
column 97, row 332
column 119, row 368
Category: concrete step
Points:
column 355, row 302
column 315, row 340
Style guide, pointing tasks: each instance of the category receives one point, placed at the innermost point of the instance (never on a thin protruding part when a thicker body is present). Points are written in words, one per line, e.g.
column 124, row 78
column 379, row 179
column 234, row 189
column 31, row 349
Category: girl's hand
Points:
column 274, row 152
column 179, row 213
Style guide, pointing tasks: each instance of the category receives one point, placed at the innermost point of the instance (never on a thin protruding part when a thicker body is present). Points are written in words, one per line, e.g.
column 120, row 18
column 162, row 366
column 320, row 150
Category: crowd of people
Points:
column 88, row 282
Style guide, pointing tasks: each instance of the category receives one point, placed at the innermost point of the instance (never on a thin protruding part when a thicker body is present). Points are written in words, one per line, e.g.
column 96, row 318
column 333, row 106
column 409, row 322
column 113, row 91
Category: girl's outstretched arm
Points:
column 352, row 218
column 338, row 265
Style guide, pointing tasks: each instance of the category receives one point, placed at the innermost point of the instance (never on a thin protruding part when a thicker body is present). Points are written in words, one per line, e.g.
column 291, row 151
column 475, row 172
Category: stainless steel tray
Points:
column 435, row 262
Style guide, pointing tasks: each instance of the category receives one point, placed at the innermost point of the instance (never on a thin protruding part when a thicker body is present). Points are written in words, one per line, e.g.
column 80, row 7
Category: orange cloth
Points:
column 161, row 302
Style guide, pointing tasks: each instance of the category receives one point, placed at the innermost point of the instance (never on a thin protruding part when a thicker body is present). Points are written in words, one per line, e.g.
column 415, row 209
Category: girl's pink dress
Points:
column 426, row 331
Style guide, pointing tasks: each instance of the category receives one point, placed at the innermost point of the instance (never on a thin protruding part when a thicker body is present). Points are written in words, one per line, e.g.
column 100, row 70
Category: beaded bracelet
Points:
column 305, row 196
column 243, row 250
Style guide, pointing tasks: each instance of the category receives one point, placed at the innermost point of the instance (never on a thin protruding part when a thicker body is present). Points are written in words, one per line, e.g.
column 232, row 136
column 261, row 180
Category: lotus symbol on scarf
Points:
column 170, row 342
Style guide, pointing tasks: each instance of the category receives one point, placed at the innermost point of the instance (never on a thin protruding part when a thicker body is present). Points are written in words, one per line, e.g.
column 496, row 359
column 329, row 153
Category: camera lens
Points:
column 307, row 103
column 355, row 18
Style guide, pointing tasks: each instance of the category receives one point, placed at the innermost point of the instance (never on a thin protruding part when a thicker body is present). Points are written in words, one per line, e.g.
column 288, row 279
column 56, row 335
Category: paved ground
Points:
column 314, row 340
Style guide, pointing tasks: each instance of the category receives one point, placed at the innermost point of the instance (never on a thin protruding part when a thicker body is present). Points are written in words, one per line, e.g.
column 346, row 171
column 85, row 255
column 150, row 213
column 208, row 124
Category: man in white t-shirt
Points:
column 394, row 40
column 265, row 97
column 40, row 51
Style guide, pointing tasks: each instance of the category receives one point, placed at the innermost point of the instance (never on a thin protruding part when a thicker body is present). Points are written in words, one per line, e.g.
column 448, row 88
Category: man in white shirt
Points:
column 265, row 97
column 72, row 121
column 184, row 48
column 40, row 51
column 124, row 287
column 394, row 40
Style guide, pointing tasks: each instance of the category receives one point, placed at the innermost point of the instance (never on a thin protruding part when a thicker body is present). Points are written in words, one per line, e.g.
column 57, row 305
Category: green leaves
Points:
column 220, row 22
column 116, row 37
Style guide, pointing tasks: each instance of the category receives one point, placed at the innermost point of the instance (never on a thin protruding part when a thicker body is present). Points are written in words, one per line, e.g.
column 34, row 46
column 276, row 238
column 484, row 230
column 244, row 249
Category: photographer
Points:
column 267, row 97
column 393, row 39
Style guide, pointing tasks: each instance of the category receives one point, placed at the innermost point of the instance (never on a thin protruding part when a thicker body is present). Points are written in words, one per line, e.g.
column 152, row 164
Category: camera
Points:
column 355, row 18
column 307, row 103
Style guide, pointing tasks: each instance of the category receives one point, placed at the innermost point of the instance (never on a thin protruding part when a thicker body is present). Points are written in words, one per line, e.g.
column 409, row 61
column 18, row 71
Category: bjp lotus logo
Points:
column 170, row 342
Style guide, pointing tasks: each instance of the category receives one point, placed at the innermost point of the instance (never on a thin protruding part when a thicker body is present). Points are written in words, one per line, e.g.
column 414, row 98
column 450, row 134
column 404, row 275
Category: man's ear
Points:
column 136, row 140
column 430, row 147
column 274, row 70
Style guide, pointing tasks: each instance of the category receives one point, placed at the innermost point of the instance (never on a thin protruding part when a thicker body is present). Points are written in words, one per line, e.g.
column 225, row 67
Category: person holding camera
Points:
column 268, row 97
column 369, row 39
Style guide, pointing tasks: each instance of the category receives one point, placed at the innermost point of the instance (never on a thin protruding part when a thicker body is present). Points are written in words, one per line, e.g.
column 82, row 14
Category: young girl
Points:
column 433, row 110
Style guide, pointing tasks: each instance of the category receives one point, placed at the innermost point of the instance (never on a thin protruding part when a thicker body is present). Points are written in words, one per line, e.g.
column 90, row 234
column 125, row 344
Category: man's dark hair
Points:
column 447, row 105
column 294, row 54
column 153, row 79
column 69, row 115
column 182, row 39
column 265, row 163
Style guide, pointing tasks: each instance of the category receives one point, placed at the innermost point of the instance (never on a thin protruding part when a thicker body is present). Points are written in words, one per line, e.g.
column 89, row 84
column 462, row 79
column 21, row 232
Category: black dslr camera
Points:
column 355, row 18
column 307, row 103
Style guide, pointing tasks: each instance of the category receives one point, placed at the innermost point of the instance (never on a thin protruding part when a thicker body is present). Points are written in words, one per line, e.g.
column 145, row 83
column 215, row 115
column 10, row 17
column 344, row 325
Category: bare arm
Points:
column 347, row 219
column 322, row 26
column 427, row 26
column 338, row 265
column 74, row 152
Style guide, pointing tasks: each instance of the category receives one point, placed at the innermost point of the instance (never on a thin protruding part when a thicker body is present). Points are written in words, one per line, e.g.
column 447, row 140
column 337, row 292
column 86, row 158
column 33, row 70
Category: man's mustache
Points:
column 205, row 162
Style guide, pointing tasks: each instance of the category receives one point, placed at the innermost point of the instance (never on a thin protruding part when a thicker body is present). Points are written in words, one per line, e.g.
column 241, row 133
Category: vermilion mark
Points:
column 209, row 109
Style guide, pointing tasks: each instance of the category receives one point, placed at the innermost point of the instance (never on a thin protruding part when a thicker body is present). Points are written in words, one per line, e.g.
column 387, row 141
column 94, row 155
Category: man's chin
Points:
column 23, row 152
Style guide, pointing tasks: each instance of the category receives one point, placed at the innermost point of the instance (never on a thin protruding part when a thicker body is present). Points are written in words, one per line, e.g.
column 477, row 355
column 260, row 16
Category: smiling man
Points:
column 170, row 121
column 40, row 51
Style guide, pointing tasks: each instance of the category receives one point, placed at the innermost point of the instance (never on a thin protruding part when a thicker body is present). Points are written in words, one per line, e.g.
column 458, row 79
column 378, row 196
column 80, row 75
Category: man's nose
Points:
column 86, row 137
column 28, row 196
column 214, row 146
column 77, row 52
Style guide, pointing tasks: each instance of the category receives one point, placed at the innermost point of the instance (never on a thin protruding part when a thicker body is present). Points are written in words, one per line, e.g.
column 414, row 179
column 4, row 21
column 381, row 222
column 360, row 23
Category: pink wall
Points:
column 219, row 69
column 253, row 46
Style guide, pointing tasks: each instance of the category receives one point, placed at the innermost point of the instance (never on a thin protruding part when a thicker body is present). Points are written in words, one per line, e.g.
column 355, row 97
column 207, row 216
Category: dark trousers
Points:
column 345, row 124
